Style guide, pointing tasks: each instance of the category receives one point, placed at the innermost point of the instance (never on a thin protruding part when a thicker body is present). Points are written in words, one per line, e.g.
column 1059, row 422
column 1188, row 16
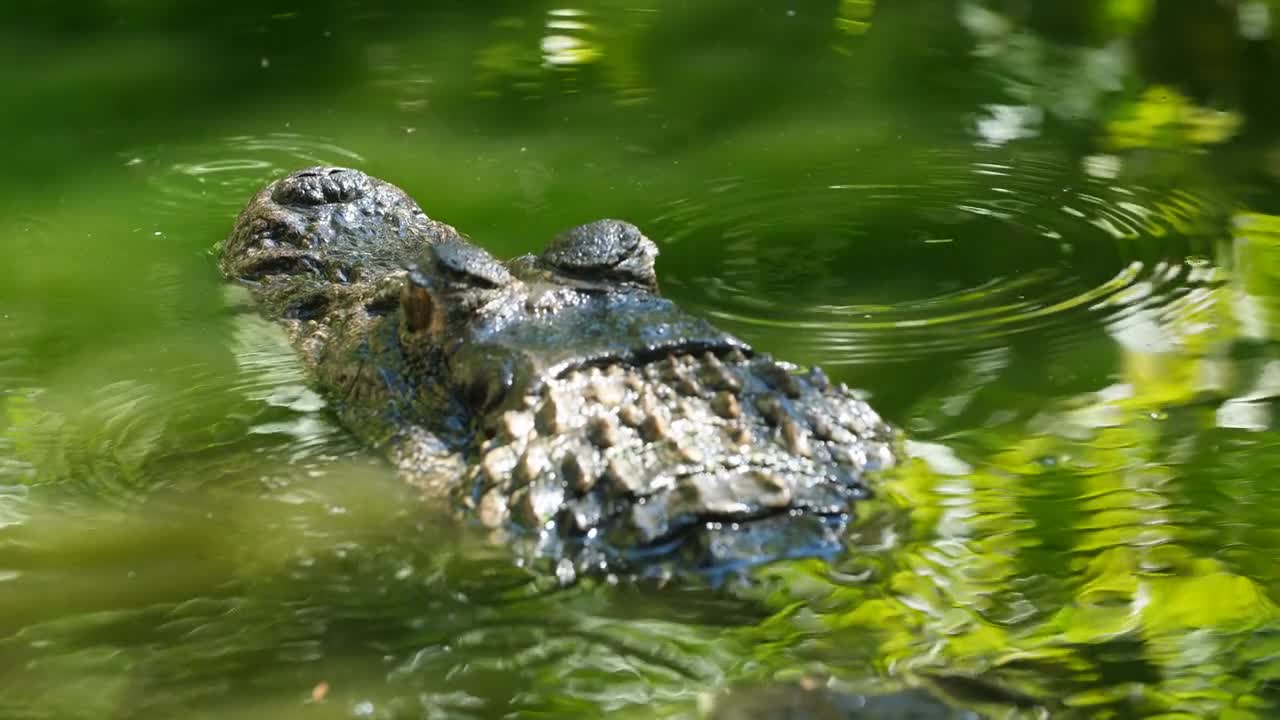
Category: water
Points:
column 1042, row 236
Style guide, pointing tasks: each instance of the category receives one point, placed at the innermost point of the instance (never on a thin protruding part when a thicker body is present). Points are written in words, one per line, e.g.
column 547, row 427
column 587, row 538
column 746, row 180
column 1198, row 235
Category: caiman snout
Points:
column 321, row 186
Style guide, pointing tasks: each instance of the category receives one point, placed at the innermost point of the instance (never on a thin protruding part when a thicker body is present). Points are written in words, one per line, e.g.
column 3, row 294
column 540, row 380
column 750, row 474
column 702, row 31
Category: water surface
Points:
column 1042, row 236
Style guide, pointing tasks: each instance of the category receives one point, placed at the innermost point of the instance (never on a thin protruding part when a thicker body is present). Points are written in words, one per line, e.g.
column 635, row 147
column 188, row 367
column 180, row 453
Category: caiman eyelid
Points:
column 601, row 244
column 466, row 262
column 608, row 249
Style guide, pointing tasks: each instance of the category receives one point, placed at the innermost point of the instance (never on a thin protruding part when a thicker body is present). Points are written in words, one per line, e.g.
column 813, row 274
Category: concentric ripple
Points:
column 954, row 251
column 217, row 180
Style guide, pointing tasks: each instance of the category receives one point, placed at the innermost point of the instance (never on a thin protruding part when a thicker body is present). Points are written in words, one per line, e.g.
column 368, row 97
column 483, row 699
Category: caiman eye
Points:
column 608, row 249
column 418, row 305
column 451, row 277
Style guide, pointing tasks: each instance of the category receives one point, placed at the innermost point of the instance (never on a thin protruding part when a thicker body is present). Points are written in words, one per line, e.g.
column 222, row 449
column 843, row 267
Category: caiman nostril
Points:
column 321, row 186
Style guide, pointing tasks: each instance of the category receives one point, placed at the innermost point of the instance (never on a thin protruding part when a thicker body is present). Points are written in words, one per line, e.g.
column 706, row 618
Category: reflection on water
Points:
column 1152, row 616
column 1068, row 80
column 565, row 42
column 1112, row 482
column 271, row 377
column 1157, row 612
column 393, row 615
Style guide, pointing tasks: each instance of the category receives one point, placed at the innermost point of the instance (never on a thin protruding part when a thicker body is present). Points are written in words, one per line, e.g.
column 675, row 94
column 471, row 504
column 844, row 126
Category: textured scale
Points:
column 693, row 468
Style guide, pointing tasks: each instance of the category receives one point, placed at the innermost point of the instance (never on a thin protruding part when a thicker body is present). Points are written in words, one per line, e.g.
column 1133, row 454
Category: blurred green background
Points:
column 1043, row 236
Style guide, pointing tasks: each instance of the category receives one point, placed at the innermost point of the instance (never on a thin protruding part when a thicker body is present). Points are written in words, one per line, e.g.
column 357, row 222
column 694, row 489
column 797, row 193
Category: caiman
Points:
column 558, row 397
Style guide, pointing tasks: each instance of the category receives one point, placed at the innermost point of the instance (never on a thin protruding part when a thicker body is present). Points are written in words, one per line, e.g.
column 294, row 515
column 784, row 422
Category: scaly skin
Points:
column 559, row 397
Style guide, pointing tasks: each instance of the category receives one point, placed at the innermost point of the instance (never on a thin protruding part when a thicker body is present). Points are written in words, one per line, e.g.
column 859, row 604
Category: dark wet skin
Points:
column 558, row 398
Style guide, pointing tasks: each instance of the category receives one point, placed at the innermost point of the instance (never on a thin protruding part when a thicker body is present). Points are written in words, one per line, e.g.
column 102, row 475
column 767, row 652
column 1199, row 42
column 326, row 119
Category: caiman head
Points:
column 603, row 426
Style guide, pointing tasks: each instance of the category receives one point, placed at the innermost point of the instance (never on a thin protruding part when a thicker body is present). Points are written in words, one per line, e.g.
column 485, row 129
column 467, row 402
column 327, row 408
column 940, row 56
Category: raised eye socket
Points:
column 601, row 244
column 451, row 276
column 468, row 263
column 607, row 248
column 321, row 186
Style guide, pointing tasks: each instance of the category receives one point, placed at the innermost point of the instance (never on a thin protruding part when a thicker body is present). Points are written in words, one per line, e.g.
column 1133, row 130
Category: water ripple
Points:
column 217, row 179
column 876, row 268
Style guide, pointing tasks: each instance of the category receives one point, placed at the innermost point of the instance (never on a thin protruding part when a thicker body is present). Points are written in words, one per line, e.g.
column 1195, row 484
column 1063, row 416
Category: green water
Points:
column 1043, row 236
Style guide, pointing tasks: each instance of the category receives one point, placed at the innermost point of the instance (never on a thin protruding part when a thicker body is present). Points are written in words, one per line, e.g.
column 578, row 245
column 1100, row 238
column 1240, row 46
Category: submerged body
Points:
column 559, row 397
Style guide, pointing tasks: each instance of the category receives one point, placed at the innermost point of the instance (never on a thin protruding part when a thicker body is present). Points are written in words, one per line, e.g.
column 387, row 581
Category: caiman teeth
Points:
column 686, row 385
